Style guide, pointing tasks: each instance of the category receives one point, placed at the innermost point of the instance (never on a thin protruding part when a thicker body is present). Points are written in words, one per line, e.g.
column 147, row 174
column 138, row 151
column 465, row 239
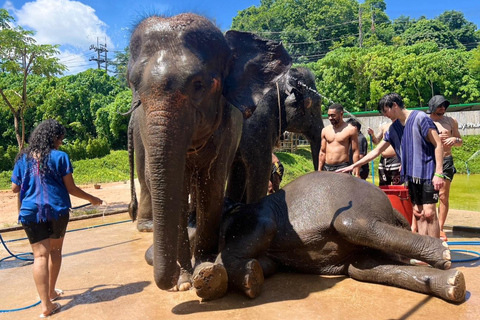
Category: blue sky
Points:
column 76, row 25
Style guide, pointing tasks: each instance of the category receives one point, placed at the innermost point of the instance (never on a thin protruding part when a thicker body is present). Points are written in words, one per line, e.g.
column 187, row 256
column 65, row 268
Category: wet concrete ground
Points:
column 104, row 276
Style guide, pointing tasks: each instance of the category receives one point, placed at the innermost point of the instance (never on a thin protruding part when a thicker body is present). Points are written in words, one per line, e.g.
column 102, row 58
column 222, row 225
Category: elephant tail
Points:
column 133, row 206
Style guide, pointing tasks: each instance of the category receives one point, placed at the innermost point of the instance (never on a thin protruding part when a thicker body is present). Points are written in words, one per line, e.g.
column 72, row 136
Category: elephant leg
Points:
column 385, row 237
column 184, row 282
column 236, row 182
column 244, row 253
column 446, row 284
column 258, row 175
column 209, row 279
column 145, row 218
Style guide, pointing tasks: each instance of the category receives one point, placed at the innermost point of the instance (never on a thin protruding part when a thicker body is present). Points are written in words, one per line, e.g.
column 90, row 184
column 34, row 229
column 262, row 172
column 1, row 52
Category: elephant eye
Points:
column 198, row 86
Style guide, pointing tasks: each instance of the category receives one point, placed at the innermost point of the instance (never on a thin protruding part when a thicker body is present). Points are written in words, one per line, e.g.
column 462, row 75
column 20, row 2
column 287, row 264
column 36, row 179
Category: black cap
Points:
column 435, row 102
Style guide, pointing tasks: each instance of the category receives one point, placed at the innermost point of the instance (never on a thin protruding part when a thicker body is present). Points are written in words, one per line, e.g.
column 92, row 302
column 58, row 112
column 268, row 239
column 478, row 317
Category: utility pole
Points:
column 100, row 48
column 360, row 28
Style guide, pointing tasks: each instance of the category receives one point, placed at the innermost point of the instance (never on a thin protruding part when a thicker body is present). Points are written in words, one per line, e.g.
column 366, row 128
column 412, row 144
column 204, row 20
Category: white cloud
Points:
column 75, row 62
column 63, row 22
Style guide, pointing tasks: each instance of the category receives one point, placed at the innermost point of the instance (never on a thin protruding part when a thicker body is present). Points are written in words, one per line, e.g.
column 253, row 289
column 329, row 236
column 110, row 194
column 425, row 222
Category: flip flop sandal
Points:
column 59, row 293
column 57, row 308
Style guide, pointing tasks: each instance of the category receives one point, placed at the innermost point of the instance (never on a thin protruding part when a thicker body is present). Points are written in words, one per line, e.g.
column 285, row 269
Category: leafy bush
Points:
column 94, row 148
column 76, row 150
column 467, row 152
column 7, row 157
column 97, row 148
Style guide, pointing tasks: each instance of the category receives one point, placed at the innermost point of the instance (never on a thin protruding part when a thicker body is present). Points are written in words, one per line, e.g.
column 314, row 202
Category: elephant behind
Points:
column 291, row 105
column 186, row 78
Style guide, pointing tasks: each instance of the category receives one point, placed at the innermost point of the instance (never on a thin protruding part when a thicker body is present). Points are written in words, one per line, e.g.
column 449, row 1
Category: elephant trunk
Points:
column 167, row 145
column 314, row 136
column 315, row 145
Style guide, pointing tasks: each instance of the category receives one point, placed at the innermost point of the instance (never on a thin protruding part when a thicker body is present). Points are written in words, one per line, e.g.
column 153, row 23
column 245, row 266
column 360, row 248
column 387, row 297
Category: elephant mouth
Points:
column 197, row 149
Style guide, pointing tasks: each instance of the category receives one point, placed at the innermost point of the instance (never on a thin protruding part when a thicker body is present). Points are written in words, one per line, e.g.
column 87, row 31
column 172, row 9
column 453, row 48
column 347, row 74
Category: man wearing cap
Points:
column 450, row 136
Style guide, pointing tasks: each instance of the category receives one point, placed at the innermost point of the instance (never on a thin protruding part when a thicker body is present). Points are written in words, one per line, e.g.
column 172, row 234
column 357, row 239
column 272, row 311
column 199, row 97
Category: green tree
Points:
column 307, row 28
column 22, row 57
column 431, row 30
column 120, row 65
column 461, row 28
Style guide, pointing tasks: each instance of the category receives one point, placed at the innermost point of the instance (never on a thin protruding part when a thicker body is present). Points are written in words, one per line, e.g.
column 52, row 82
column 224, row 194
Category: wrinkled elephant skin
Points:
column 293, row 100
column 189, row 82
column 333, row 224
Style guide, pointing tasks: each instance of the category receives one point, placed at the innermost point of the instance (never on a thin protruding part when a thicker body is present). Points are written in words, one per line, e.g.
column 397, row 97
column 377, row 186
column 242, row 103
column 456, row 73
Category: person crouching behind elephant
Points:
column 356, row 233
column 276, row 175
column 43, row 176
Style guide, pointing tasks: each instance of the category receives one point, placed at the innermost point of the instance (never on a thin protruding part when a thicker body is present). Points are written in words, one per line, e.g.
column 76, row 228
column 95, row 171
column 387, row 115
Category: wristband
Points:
column 440, row 175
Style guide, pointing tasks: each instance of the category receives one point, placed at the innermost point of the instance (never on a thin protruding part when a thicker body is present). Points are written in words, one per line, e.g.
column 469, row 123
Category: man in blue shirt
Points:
column 417, row 144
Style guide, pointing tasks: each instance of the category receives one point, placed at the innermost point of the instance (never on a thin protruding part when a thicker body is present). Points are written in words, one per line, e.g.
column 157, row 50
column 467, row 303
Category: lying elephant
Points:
column 329, row 224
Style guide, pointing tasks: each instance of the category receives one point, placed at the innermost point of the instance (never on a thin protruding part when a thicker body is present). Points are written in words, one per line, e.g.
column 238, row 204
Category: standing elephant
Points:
column 290, row 105
column 332, row 224
column 186, row 76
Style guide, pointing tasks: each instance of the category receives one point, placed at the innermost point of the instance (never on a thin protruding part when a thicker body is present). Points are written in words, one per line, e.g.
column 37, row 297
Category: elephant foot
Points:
column 184, row 281
column 455, row 289
column 149, row 255
column 253, row 280
column 144, row 225
column 445, row 263
column 210, row 281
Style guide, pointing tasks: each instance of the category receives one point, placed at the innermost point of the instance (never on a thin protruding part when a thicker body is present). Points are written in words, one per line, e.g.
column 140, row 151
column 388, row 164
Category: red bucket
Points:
column 400, row 200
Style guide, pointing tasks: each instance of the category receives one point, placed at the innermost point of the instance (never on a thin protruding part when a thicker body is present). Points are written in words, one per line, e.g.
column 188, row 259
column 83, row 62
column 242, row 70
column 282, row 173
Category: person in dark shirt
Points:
column 362, row 148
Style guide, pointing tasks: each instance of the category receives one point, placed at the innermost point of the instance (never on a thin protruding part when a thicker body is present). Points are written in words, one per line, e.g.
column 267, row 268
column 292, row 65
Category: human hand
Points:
column 438, row 182
column 450, row 141
column 370, row 131
column 96, row 201
column 346, row 169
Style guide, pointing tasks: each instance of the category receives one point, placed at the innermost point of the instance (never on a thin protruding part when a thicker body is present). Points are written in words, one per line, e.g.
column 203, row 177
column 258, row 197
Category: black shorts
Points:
column 448, row 168
column 389, row 171
column 334, row 167
column 422, row 193
column 54, row 229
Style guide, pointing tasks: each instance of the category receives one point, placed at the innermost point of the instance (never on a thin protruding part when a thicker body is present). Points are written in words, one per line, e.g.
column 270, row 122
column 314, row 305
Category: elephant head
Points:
column 187, row 74
column 303, row 108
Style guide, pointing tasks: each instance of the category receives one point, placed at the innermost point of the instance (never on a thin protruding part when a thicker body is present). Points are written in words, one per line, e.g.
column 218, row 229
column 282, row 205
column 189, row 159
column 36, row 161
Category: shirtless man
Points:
column 450, row 136
column 336, row 141
column 389, row 165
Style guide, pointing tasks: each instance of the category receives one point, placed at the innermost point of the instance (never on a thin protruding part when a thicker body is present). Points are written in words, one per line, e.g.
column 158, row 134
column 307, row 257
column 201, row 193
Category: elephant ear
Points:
column 254, row 66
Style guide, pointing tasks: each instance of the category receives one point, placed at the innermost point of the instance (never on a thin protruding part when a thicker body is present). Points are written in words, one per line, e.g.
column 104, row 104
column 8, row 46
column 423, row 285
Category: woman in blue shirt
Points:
column 43, row 176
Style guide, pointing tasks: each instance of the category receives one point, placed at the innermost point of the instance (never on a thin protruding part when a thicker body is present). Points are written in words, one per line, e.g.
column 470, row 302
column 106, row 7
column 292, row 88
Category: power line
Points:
column 100, row 48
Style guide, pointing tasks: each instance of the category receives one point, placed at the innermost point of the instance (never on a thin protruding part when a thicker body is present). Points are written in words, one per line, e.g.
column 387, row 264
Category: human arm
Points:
column 355, row 150
column 376, row 138
column 77, row 192
column 322, row 154
column 434, row 139
column 15, row 188
column 368, row 157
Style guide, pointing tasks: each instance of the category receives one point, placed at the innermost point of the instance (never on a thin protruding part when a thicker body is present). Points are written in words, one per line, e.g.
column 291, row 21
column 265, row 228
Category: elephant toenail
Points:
column 447, row 255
